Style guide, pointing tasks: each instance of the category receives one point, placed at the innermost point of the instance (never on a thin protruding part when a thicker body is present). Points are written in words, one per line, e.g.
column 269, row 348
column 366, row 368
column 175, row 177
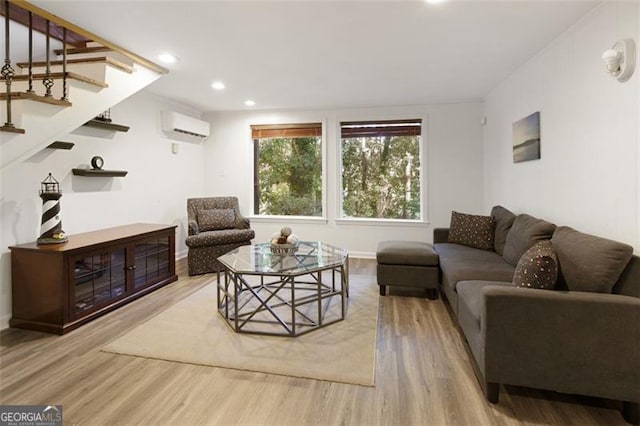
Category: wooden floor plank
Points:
column 423, row 376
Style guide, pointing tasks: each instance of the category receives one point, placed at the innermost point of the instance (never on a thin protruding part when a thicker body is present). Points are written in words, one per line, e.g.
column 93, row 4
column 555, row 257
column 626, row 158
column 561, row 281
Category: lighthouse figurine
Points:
column 51, row 226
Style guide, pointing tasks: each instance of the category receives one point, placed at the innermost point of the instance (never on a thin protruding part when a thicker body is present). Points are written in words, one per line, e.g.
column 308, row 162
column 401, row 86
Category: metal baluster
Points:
column 30, row 90
column 64, row 64
column 7, row 72
column 47, row 81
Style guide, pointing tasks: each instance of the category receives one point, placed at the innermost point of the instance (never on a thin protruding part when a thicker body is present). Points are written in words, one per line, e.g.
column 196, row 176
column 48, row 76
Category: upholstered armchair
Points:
column 216, row 227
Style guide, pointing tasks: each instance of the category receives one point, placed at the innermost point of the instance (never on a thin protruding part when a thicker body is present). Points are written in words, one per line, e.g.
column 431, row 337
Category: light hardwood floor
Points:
column 423, row 377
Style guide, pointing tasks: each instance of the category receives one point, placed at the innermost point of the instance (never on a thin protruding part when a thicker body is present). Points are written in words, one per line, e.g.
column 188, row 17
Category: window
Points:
column 287, row 169
column 381, row 169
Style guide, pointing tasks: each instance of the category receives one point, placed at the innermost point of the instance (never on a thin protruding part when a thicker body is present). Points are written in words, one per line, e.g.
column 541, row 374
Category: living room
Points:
column 587, row 177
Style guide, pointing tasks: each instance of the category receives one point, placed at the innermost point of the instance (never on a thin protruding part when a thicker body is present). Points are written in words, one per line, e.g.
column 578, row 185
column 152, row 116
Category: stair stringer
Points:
column 47, row 123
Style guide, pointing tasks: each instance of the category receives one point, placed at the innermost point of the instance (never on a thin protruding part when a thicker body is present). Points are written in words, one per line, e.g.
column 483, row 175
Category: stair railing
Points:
column 8, row 72
column 30, row 89
column 23, row 4
column 47, row 81
column 64, row 65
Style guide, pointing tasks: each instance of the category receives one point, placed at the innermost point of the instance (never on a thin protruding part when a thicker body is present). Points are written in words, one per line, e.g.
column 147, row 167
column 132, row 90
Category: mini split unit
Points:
column 184, row 128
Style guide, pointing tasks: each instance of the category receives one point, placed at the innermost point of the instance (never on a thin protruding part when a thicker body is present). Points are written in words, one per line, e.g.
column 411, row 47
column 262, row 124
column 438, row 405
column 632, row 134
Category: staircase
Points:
column 88, row 78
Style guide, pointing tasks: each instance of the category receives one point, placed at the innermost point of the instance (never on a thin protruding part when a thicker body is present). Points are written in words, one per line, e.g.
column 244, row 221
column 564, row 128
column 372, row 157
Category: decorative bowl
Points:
column 284, row 249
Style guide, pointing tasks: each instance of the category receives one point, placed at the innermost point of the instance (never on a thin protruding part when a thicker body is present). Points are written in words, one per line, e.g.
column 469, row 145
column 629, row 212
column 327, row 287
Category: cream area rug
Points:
column 192, row 331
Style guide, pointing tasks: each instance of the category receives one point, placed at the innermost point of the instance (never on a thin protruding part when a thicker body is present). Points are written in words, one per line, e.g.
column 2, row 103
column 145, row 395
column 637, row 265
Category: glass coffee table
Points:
column 283, row 295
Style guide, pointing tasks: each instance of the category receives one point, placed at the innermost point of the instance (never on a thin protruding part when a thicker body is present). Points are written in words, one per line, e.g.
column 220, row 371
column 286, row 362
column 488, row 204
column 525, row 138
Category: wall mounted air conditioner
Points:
column 184, row 128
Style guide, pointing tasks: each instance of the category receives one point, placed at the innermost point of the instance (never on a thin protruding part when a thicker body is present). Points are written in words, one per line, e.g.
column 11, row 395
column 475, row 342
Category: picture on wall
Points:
column 526, row 138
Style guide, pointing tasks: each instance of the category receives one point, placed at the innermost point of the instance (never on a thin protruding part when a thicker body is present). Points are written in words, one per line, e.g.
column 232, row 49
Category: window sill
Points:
column 288, row 219
column 383, row 222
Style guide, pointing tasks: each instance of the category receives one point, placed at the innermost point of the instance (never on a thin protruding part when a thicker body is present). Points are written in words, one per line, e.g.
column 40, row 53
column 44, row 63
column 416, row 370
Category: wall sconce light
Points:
column 621, row 60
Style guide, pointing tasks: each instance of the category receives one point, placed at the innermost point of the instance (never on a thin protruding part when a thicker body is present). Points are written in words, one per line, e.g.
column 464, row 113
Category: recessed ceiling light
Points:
column 167, row 58
column 435, row 1
column 218, row 85
column 249, row 102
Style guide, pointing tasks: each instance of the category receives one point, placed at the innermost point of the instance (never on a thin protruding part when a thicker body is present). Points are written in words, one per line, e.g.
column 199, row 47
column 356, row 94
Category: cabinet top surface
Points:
column 86, row 239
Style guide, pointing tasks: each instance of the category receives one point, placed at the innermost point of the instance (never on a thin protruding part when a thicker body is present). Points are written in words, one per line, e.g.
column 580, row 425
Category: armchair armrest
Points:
column 242, row 222
column 193, row 227
column 575, row 342
column 440, row 235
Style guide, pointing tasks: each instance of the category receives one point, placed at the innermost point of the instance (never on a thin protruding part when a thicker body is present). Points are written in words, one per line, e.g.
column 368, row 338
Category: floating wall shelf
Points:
column 99, row 173
column 61, row 145
column 106, row 125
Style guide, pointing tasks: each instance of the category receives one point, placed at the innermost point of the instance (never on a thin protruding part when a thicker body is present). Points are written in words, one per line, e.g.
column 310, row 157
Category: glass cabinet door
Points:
column 151, row 261
column 98, row 279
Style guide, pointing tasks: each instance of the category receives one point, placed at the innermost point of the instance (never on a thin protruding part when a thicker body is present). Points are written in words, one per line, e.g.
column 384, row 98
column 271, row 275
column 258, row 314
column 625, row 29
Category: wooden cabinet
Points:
column 58, row 287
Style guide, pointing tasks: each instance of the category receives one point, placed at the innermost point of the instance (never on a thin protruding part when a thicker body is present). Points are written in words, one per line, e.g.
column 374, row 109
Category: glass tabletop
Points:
column 258, row 259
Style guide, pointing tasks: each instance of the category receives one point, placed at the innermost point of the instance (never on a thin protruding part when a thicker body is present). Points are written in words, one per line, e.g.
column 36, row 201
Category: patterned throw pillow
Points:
column 538, row 267
column 216, row 219
column 472, row 230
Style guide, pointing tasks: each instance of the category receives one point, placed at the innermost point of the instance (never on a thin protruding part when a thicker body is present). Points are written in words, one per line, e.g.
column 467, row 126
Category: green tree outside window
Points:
column 288, row 177
column 381, row 170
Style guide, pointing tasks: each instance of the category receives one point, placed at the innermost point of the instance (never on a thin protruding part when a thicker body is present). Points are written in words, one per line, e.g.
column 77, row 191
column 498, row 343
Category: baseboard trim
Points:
column 4, row 322
column 362, row 255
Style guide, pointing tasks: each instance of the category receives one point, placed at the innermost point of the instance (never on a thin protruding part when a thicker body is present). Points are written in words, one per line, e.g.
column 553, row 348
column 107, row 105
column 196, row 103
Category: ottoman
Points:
column 407, row 264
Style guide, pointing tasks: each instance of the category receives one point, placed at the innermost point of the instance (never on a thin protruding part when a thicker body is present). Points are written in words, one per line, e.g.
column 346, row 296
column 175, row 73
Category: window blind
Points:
column 360, row 129
column 303, row 130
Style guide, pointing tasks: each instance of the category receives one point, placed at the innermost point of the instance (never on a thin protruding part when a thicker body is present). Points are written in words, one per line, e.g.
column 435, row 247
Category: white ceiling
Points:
column 315, row 54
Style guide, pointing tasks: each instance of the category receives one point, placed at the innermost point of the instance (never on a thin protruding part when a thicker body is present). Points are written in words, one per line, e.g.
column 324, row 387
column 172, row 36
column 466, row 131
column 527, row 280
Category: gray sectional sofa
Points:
column 583, row 337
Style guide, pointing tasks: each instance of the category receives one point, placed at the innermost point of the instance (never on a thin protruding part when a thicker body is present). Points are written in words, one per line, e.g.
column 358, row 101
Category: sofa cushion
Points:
column 416, row 253
column 472, row 230
column 460, row 263
column 587, row 262
column 524, row 233
column 504, row 220
column 470, row 297
column 224, row 236
column 538, row 267
column 215, row 219
column 629, row 281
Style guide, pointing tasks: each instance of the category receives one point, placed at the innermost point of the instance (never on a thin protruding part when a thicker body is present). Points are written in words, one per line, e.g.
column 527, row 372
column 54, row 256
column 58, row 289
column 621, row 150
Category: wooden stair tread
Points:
column 102, row 59
column 58, row 76
column 94, row 49
column 37, row 98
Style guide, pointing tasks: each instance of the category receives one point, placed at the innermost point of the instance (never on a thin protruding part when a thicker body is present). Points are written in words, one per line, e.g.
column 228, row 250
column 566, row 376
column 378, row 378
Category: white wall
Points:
column 453, row 156
column 154, row 191
column 588, row 176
